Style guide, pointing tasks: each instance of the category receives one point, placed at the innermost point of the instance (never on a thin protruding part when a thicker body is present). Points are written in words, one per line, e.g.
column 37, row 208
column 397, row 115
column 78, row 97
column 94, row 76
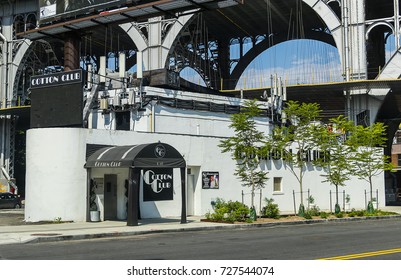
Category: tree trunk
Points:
column 301, row 211
column 252, row 191
column 371, row 188
column 336, row 194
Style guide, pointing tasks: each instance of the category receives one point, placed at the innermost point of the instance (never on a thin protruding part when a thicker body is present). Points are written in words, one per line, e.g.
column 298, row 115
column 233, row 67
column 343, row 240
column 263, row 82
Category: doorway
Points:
column 190, row 194
column 110, row 197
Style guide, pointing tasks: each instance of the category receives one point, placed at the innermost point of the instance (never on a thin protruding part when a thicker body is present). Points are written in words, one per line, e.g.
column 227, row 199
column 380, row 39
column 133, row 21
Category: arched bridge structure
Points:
column 173, row 35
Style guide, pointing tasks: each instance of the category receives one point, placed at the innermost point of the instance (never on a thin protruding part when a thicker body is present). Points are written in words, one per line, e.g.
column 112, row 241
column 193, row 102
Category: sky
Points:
column 296, row 62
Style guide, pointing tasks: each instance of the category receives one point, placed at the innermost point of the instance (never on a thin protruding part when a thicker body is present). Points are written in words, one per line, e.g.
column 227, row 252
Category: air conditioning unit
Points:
column 117, row 100
column 131, row 97
column 104, row 104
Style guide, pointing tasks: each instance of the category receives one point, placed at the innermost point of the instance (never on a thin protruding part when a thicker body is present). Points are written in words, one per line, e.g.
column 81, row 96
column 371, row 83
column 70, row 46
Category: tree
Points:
column 296, row 140
column 335, row 150
column 367, row 157
column 245, row 147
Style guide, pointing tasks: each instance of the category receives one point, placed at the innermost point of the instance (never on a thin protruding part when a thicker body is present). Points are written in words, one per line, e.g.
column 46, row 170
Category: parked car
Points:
column 10, row 200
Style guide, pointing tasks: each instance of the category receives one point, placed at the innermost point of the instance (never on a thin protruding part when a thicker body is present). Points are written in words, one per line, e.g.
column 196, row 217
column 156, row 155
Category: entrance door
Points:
column 110, row 197
column 190, row 194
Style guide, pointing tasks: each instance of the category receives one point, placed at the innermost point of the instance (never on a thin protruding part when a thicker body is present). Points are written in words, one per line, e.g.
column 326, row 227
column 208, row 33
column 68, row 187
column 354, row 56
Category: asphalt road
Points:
column 11, row 217
column 300, row 242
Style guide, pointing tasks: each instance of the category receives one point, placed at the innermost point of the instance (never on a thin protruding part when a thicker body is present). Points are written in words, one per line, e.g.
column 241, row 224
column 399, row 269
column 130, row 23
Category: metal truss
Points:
column 194, row 49
column 36, row 60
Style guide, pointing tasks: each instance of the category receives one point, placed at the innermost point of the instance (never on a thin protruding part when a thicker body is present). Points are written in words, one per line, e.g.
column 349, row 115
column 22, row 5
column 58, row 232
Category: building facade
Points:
column 58, row 178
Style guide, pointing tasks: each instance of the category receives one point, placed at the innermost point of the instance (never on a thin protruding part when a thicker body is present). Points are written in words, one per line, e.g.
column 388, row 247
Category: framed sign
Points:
column 57, row 100
column 158, row 184
column 210, row 180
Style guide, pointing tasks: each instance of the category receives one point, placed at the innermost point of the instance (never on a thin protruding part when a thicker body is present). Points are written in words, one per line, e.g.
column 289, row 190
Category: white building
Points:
column 59, row 174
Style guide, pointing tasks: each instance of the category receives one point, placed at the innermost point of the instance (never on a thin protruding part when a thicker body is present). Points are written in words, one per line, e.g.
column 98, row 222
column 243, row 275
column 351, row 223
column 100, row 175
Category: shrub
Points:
column 340, row 215
column 271, row 209
column 230, row 211
column 324, row 215
column 360, row 213
column 314, row 211
column 307, row 215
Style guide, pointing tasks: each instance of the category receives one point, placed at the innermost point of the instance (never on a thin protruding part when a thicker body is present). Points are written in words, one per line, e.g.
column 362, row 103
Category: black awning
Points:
column 140, row 156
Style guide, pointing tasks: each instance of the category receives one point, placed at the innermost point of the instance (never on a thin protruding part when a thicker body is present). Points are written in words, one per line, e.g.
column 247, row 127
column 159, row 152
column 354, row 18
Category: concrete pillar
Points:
column 71, row 52
column 156, row 45
column 358, row 65
column 154, row 52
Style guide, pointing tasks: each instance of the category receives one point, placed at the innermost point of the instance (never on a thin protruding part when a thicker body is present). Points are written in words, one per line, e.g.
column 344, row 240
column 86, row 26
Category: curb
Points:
column 72, row 237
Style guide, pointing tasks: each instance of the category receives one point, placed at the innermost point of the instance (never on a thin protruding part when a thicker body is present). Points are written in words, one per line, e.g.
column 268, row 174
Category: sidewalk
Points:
column 87, row 230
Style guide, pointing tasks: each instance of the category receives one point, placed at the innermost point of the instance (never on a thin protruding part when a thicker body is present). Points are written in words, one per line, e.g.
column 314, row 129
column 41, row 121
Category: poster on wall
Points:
column 210, row 180
column 158, row 184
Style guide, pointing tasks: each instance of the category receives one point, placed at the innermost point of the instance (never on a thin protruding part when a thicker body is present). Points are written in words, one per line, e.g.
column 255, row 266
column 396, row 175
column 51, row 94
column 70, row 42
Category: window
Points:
column 123, row 120
column 363, row 118
column 399, row 160
column 277, row 184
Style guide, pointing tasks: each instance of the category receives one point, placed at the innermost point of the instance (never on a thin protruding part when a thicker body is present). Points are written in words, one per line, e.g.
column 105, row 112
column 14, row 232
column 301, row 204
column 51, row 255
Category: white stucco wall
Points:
column 56, row 178
column 156, row 117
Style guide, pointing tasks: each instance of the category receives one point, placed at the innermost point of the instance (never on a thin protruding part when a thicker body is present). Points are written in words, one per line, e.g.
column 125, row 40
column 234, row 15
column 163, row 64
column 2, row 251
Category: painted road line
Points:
column 365, row 255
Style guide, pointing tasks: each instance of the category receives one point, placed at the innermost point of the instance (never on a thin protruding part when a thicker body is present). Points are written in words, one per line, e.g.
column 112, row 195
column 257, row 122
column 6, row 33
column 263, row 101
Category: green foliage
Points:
column 307, row 215
column 231, row 211
column 311, row 212
column 367, row 158
column 360, row 213
column 340, row 215
column 314, row 211
column 297, row 138
column 271, row 209
column 334, row 144
column 324, row 215
column 311, row 199
column 366, row 213
column 246, row 147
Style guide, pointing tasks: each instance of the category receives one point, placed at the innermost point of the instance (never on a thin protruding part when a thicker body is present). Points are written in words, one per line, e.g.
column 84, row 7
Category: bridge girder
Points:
column 264, row 45
column 326, row 30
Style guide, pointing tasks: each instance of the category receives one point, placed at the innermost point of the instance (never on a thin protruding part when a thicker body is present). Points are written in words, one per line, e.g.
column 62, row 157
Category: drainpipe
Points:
column 153, row 117
column 397, row 24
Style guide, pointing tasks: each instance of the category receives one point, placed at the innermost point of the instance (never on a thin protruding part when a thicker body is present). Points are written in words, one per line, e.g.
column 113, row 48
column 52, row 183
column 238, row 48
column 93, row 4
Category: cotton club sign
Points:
column 157, row 184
